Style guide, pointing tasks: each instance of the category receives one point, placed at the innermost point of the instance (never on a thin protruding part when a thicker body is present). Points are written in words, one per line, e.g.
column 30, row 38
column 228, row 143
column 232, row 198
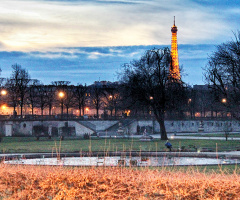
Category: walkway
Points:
column 182, row 136
column 201, row 138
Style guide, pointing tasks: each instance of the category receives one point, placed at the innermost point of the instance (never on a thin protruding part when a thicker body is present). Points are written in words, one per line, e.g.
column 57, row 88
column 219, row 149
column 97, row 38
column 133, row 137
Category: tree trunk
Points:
column 97, row 113
column 67, row 111
column 160, row 118
column 163, row 130
column 21, row 110
column 14, row 111
column 80, row 111
column 50, row 110
column 83, row 110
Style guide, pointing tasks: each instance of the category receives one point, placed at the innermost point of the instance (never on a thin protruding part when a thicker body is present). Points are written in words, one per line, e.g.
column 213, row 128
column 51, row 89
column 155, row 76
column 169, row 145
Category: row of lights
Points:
column 224, row 100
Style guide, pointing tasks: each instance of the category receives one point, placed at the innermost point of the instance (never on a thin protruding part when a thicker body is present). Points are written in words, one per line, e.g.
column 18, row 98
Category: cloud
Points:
column 39, row 25
column 95, row 1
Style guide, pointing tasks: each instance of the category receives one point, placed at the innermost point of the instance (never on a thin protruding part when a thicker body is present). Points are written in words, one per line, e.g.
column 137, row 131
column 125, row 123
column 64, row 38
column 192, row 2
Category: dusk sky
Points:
column 87, row 40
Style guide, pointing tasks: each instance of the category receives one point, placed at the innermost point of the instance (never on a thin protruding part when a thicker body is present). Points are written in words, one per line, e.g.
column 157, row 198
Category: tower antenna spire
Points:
column 174, row 21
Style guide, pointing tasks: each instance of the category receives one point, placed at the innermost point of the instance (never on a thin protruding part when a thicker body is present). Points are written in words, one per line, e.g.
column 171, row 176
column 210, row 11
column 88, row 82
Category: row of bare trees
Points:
column 22, row 91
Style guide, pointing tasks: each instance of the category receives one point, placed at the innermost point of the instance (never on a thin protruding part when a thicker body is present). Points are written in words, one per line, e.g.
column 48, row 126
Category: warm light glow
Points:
column 128, row 112
column 3, row 92
column 4, row 107
column 197, row 114
column 224, row 100
column 87, row 109
column 151, row 98
column 110, row 96
column 61, row 94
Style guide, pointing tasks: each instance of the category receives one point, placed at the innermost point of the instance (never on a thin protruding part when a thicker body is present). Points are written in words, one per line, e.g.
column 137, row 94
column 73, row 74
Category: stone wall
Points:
column 188, row 126
column 135, row 127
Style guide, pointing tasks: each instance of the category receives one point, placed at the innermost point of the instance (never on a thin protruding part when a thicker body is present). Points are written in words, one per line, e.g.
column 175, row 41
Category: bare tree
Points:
column 148, row 81
column 80, row 97
column 112, row 98
column 42, row 97
column 50, row 97
column 18, row 86
column 223, row 74
column 96, row 94
column 33, row 94
column 69, row 99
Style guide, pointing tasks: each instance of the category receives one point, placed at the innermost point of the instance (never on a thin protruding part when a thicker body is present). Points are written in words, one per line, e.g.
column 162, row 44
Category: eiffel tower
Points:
column 174, row 66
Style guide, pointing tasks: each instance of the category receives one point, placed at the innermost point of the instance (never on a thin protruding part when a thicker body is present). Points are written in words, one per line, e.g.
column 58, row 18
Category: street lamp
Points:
column 61, row 95
column 224, row 101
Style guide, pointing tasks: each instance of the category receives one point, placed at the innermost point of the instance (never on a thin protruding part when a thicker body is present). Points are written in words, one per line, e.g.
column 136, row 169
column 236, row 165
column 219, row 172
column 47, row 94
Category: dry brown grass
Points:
column 36, row 182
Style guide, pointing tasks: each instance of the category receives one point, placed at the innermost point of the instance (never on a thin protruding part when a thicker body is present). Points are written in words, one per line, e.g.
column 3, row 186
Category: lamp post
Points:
column 224, row 101
column 190, row 108
column 3, row 93
column 61, row 96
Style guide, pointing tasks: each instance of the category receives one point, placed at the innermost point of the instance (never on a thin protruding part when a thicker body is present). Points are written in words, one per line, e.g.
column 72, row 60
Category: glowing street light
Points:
column 3, row 92
column 224, row 100
column 4, row 107
column 61, row 94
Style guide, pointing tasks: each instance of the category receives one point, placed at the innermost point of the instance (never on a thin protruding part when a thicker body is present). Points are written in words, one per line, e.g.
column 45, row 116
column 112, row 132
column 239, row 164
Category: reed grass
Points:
column 35, row 182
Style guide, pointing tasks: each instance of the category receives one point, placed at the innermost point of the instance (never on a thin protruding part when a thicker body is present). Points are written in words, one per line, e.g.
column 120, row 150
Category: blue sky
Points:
column 86, row 40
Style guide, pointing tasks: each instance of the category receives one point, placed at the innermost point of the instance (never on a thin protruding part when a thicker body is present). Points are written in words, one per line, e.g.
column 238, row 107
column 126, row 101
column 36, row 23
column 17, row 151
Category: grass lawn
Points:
column 31, row 145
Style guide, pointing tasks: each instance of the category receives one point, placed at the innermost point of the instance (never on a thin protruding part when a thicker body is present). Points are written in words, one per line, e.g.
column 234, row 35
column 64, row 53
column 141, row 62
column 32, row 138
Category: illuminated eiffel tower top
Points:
column 174, row 67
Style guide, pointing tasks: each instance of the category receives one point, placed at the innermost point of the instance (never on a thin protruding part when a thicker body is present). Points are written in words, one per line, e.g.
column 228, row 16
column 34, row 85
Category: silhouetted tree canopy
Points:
column 223, row 74
column 148, row 80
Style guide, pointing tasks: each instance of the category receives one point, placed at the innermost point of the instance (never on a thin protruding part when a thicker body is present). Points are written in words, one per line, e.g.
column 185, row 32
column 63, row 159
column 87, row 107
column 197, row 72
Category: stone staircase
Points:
column 124, row 122
column 88, row 125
